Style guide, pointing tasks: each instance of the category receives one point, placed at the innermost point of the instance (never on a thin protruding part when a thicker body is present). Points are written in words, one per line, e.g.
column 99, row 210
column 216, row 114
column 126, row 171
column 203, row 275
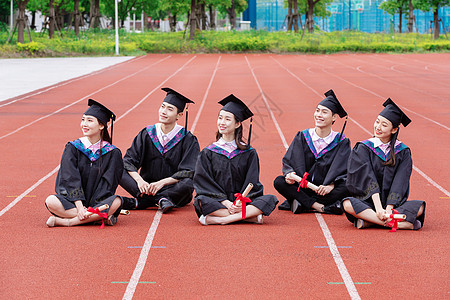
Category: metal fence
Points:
column 362, row 15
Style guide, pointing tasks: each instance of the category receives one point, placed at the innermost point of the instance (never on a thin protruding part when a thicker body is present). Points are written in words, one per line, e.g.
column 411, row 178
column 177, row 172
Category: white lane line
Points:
column 326, row 232
column 20, row 197
column 79, row 100
column 415, row 168
column 29, row 190
column 71, row 81
column 283, row 139
column 351, row 288
column 140, row 265
column 156, row 88
column 383, row 97
column 205, row 96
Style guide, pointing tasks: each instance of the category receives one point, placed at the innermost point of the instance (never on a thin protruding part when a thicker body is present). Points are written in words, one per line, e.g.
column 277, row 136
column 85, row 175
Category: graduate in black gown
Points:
column 159, row 165
column 90, row 171
column 225, row 168
column 378, row 178
column 323, row 154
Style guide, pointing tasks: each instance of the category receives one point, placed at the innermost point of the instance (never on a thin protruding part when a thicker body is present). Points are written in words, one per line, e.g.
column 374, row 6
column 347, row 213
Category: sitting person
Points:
column 164, row 154
column 322, row 153
column 225, row 168
column 378, row 176
column 90, row 171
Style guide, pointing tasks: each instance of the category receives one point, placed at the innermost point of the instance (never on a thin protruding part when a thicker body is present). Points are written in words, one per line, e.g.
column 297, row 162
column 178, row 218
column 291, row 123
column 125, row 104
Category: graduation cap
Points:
column 238, row 108
column 179, row 101
column 175, row 98
column 101, row 112
column 331, row 102
column 394, row 114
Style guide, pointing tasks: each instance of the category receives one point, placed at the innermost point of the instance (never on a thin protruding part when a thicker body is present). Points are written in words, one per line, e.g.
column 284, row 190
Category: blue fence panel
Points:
column 362, row 15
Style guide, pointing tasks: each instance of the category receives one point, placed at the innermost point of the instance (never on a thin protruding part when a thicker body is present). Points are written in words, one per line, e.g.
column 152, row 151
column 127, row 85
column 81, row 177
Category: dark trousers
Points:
column 307, row 197
column 179, row 193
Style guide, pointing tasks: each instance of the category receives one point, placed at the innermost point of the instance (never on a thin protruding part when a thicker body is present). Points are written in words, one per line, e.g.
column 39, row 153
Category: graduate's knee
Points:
column 348, row 207
column 52, row 203
column 279, row 183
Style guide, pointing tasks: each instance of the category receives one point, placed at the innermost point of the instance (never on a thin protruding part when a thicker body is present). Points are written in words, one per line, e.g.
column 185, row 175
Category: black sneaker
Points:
column 334, row 209
column 129, row 203
column 165, row 205
column 284, row 206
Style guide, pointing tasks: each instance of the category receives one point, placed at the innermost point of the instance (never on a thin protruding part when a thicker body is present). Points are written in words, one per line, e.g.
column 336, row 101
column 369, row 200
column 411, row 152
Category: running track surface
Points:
column 149, row 255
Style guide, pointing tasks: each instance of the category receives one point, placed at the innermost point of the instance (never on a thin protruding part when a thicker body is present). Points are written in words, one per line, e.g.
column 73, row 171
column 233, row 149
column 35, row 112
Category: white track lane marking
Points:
column 415, row 168
column 79, row 100
column 71, row 81
column 140, row 265
column 326, row 232
column 20, row 197
column 197, row 117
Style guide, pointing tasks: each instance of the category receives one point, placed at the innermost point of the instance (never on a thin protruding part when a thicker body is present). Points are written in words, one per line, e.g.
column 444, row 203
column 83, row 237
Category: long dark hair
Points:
column 104, row 135
column 237, row 136
column 391, row 161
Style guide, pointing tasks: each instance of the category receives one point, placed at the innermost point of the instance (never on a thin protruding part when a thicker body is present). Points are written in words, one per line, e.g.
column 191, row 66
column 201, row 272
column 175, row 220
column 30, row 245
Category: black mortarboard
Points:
column 394, row 114
column 332, row 102
column 101, row 112
column 238, row 108
column 235, row 106
column 175, row 98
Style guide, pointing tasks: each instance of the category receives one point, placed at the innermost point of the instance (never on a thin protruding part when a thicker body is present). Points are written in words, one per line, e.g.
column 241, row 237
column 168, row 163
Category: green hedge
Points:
column 99, row 42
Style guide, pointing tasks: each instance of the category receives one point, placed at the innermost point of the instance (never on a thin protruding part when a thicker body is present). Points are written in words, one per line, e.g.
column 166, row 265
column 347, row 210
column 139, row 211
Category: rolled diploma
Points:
column 100, row 208
column 395, row 216
column 246, row 191
column 310, row 185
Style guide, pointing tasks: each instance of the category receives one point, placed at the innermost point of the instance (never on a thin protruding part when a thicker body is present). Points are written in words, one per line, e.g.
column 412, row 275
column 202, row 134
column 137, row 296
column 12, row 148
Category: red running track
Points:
column 149, row 255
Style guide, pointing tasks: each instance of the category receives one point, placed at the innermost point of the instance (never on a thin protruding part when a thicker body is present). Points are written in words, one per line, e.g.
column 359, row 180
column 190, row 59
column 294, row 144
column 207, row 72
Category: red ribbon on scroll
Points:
column 244, row 200
column 98, row 212
column 393, row 222
column 303, row 182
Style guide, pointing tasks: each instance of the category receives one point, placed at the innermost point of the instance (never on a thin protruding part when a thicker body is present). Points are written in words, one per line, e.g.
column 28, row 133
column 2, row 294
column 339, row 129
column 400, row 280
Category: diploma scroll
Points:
column 303, row 182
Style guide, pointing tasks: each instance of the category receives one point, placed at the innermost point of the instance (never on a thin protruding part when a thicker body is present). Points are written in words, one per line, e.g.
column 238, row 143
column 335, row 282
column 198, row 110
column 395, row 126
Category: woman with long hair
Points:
column 378, row 174
column 89, row 174
column 225, row 168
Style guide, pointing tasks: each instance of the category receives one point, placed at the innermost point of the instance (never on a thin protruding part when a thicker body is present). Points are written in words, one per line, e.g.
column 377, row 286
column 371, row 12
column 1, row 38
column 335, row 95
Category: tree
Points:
column 393, row 7
column 315, row 8
column 292, row 16
column 21, row 19
column 434, row 5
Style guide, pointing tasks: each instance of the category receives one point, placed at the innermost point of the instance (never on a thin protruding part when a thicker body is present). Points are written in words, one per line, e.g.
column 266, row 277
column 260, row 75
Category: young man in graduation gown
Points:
column 159, row 165
column 323, row 154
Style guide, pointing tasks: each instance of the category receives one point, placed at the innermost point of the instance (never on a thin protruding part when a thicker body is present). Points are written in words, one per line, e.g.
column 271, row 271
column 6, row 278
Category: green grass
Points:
column 101, row 43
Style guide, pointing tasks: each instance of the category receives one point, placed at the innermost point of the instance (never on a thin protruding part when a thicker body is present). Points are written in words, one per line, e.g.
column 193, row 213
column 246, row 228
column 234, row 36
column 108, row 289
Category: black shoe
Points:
column 296, row 207
column 334, row 209
column 129, row 203
column 165, row 205
column 284, row 206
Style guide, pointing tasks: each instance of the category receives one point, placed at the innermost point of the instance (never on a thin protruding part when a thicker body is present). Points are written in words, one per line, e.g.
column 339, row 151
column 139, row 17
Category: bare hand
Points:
column 154, row 187
column 81, row 213
column 324, row 189
column 144, row 187
column 235, row 209
column 288, row 178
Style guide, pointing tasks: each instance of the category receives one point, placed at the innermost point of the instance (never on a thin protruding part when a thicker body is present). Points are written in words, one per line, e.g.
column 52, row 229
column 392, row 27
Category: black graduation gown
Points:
column 220, row 174
column 328, row 166
column 367, row 174
column 91, row 178
column 155, row 162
